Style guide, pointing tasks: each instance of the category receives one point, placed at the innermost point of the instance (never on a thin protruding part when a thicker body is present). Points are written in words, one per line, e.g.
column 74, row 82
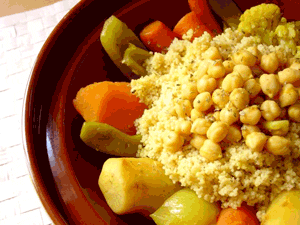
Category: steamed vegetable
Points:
column 240, row 216
column 135, row 185
column 115, row 38
column 284, row 209
column 108, row 139
column 191, row 21
column 185, row 207
column 157, row 36
column 204, row 14
column 134, row 58
column 111, row 103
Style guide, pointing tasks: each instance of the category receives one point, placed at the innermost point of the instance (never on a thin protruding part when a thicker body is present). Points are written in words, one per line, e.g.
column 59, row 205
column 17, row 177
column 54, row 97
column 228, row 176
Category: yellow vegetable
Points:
column 284, row 209
column 135, row 185
column 185, row 208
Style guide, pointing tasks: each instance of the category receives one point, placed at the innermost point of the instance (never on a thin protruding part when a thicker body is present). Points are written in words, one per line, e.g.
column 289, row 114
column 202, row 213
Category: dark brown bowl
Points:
column 64, row 170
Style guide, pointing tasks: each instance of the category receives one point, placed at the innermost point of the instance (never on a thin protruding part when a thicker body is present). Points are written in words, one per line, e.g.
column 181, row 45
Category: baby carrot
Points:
column 204, row 14
column 191, row 21
column 157, row 36
column 240, row 216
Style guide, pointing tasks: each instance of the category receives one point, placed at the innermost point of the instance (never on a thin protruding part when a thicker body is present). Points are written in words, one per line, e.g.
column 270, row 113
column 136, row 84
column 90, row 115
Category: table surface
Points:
column 21, row 38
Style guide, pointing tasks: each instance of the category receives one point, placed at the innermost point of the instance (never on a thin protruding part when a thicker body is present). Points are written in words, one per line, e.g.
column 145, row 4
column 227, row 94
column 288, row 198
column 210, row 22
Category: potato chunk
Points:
column 135, row 185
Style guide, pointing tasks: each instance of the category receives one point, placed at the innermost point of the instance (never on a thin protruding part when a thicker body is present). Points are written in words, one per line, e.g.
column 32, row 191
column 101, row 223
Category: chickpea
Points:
column 200, row 126
column 228, row 65
column 278, row 145
column 288, row 95
column 253, row 87
column 217, row 131
column 233, row 135
column 216, row 69
column 289, row 75
column 244, row 57
column 232, row 81
column 269, row 84
column 203, row 101
column 250, row 115
column 211, row 150
column 229, row 114
column 206, row 84
column 202, row 68
column 254, row 50
column 173, row 141
column 239, row 97
column 220, row 98
column 294, row 112
column 248, row 129
column 256, row 141
column 183, row 108
column 244, row 71
column 184, row 127
column 197, row 141
column 269, row 62
column 270, row 110
column 295, row 65
column 195, row 114
column 189, row 91
column 212, row 53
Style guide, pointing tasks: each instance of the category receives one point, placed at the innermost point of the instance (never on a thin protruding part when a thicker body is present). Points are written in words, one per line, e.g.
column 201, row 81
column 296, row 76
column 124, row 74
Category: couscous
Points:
column 223, row 115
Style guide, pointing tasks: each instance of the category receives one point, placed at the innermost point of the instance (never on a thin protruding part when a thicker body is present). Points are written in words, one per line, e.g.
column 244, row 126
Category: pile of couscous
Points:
column 223, row 117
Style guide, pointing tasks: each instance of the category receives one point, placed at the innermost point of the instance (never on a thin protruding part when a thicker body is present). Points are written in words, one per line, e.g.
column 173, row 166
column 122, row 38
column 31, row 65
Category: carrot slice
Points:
column 240, row 216
column 157, row 36
column 204, row 14
column 110, row 103
column 191, row 21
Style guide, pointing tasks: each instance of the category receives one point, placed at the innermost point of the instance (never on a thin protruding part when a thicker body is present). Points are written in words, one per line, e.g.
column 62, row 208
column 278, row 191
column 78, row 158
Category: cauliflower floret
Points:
column 261, row 20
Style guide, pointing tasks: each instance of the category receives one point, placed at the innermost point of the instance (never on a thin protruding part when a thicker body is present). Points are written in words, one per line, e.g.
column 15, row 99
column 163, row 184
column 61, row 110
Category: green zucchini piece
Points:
column 105, row 138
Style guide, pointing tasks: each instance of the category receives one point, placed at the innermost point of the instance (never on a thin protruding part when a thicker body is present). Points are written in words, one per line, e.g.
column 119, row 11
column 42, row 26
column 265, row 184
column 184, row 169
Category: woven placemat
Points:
column 21, row 38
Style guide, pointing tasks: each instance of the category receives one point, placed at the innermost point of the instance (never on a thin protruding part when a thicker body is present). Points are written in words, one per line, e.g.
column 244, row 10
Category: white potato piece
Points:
column 135, row 185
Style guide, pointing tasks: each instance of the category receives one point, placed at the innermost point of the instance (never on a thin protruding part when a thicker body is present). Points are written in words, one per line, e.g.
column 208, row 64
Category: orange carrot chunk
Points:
column 240, row 216
column 204, row 14
column 111, row 103
column 157, row 37
column 191, row 21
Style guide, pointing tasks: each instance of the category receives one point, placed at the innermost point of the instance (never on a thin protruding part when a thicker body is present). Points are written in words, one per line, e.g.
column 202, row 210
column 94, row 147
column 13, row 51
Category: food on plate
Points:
column 111, row 103
column 109, row 140
column 284, row 209
column 135, row 185
column 184, row 207
column 216, row 115
column 157, row 36
column 115, row 37
column 134, row 57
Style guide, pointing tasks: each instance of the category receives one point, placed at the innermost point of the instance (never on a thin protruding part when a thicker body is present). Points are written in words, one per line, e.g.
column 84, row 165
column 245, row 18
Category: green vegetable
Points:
column 184, row 207
column 108, row 139
column 115, row 38
column 284, row 209
column 278, row 127
column 134, row 58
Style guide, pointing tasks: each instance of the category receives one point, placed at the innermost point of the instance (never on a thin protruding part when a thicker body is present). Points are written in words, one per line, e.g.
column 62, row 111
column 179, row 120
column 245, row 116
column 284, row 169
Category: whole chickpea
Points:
column 212, row 53
column 183, row 108
column 256, row 141
column 211, row 150
column 294, row 112
column 202, row 68
column 200, row 126
column 247, row 129
column 244, row 57
column 254, row 50
column 233, row 135
column 253, row 87
column 203, row 101
column 206, row 84
column 270, row 110
column 239, row 97
column 173, row 141
column 250, row 115
column 197, row 141
column 289, row 75
column 269, row 84
column 278, row 145
column 195, row 114
column 220, row 98
column 216, row 69
column 232, row 81
column 229, row 114
column 184, row 127
column 244, row 71
column 288, row 95
column 217, row 131
column 228, row 65
column 269, row 62
column 189, row 91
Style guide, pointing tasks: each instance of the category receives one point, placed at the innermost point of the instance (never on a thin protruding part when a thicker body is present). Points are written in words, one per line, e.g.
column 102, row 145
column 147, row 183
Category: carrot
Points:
column 204, row 14
column 110, row 103
column 157, row 36
column 191, row 21
column 240, row 216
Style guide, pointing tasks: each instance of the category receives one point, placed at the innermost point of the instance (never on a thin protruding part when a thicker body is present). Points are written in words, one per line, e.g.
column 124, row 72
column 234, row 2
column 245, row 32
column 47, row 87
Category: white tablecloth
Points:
column 21, row 38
